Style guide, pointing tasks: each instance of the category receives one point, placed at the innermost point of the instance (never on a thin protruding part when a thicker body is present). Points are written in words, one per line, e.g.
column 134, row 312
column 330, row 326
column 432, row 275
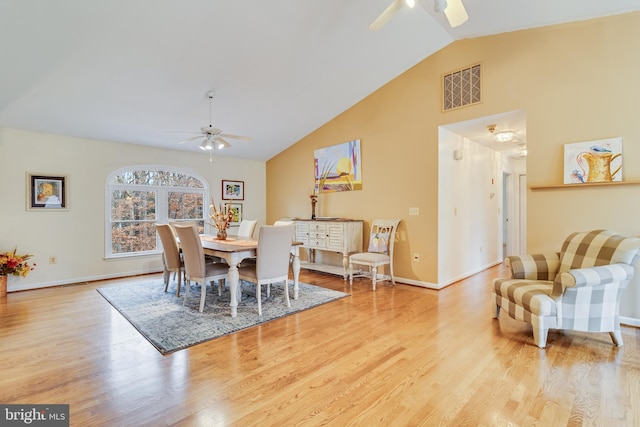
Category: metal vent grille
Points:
column 461, row 88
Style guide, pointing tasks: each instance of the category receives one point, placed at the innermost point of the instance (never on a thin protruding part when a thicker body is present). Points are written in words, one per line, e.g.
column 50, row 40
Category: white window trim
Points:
column 161, row 215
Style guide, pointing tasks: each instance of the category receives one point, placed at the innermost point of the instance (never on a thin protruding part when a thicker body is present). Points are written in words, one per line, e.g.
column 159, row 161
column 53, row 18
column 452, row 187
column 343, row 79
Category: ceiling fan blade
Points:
column 385, row 16
column 243, row 138
column 456, row 13
column 182, row 131
column 190, row 139
column 225, row 144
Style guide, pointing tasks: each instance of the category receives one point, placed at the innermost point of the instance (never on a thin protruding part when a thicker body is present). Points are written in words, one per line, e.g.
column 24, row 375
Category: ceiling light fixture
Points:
column 410, row 3
column 505, row 136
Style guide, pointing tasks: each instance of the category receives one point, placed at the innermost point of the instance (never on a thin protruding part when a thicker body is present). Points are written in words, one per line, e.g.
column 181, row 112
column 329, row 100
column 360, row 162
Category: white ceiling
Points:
column 132, row 70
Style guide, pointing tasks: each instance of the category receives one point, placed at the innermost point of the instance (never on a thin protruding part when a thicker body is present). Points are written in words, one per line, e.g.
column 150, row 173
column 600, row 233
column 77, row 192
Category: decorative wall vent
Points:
column 461, row 88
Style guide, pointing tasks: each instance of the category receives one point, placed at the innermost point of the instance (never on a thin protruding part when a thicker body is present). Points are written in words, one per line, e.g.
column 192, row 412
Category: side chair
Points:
column 272, row 261
column 196, row 269
column 171, row 257
column 380, row 251
column 247, row 227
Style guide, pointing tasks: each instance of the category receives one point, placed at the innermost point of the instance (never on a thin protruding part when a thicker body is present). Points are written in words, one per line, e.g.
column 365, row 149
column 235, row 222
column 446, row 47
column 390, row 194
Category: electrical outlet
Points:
column 53, row 260
column 416, row 257
column 414, row 211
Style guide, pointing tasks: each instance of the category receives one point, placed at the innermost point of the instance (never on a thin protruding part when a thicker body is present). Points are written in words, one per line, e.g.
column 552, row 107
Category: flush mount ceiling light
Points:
column 506, row 136
column 503, row 136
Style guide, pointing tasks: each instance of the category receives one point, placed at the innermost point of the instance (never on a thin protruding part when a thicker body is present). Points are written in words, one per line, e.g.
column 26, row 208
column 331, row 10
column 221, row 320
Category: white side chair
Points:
column 380, row 252
column 247, row 227
column 272, row 262
column 196, row 269
column 171, row 256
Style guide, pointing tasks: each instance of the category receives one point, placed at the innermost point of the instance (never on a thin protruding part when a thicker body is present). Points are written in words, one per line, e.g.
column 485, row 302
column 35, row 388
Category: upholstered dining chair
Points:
column 578, row 288
column 247, row 227
column 380, row 251
column 171, row 257
column 196, row 269
column 272, row 261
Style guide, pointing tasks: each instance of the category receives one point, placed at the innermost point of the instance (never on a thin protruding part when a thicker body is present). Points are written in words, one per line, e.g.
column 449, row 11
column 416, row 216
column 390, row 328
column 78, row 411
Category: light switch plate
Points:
column 414, row 211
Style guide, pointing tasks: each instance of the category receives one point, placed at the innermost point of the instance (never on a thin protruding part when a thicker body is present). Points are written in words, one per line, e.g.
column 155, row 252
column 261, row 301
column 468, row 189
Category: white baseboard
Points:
column 630, row 321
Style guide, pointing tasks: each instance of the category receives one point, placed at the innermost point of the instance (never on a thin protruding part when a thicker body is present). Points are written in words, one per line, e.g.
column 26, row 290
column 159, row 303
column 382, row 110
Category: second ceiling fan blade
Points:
column 386, row 15
column 456, row 13
column 190, row 139
column 243, row 138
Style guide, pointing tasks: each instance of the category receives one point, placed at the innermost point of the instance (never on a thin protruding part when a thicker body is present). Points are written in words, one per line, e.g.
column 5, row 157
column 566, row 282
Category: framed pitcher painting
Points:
column 593, row 161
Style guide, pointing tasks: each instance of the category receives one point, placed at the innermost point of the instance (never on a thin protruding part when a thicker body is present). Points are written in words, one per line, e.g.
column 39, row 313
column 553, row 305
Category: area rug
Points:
column 169, row 325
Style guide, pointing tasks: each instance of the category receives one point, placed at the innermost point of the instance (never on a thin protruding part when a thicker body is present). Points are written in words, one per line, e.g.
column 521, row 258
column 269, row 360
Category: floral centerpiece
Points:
column 14, row 264
column 221, row 218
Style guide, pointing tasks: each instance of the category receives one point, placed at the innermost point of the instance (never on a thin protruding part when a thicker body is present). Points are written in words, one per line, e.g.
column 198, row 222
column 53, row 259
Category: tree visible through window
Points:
column 139, row 197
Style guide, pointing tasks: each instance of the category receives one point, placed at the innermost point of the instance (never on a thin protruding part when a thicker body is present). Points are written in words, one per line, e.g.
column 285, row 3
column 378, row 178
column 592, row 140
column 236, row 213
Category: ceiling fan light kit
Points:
column 213, row 137
column 453, row 9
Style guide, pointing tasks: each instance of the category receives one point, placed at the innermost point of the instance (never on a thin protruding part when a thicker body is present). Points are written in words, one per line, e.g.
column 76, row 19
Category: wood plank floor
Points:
column 400, row 356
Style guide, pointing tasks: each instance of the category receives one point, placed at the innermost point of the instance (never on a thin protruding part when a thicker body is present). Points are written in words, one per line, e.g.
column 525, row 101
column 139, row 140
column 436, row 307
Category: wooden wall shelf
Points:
column 590, row 184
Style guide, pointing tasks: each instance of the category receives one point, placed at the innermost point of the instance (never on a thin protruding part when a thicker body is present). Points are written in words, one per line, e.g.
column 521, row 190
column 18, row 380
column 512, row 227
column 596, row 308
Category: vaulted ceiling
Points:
column 132, row 70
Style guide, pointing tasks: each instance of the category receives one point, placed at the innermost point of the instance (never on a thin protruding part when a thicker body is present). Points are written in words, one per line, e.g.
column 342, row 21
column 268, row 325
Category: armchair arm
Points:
column 594, row 276
column 534, row 267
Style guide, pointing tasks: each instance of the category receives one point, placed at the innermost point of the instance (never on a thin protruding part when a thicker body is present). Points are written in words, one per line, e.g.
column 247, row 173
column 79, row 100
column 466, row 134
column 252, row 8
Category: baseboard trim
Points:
column 630, row 321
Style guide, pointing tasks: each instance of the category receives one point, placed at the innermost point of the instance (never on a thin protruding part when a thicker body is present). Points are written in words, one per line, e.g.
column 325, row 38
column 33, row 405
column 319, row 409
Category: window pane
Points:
column 185, row 205
column 132, row 237
column 133, row 205
column 158, row 178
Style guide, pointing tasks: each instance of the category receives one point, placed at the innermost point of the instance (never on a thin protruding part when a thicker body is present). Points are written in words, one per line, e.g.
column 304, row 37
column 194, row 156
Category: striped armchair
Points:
column 576, row 289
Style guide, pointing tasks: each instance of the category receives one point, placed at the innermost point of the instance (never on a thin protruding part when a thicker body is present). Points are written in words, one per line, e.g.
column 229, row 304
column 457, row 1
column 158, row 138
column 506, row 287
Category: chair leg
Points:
column 286, row 292
column 179, row 283
column 497, row 312
column 616, row 337
column 187, row 285
column 393, row 279
column 350, row 273
column 540, row 334
column 203, row 294
column 165, row 276
column 374, row 276
column 259, row 297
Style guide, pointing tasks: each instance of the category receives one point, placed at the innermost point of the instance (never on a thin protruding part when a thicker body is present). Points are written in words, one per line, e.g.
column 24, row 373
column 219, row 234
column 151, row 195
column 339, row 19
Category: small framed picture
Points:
column 236, row 213
column 232, row 190
column 46, row 192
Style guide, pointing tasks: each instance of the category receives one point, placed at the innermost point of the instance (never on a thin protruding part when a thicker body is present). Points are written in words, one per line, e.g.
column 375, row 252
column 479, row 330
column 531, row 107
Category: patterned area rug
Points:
column 169, row 325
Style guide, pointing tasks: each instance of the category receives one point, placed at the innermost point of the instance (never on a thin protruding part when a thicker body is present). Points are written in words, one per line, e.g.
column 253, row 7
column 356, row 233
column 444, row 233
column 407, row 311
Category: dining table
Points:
column 233, row 250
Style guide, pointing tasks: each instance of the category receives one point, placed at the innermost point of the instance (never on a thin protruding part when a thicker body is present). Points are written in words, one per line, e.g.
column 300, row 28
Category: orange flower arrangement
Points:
column 17, row 265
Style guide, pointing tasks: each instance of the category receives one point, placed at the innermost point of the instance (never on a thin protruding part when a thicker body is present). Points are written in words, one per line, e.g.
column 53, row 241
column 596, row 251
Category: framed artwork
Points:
column 236, row 213
column 338, row 168
column 46, row 192
column 232, row 190
column 593, row 161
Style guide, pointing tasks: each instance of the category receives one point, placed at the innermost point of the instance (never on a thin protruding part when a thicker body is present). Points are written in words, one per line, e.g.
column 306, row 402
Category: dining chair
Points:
column 380, row 251
column 272, row 261
column 171, row 257
column 196, row 269
column 278, row 223
column 247, row 227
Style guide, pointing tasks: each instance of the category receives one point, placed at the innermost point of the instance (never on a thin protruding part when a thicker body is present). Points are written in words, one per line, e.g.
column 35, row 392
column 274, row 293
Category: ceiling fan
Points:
column 453, row 9
column 212, row 138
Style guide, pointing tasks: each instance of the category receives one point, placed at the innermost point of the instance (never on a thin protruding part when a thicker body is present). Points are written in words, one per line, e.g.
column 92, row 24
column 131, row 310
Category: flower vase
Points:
column 3, row 285
column 314, row 200
column 222, row 234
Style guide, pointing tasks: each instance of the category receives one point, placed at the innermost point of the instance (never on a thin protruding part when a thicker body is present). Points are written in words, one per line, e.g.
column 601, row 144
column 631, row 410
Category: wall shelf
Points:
column 589, row 184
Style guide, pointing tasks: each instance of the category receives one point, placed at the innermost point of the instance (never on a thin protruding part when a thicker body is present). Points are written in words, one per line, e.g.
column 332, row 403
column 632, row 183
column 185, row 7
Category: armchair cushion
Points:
column 534, row 267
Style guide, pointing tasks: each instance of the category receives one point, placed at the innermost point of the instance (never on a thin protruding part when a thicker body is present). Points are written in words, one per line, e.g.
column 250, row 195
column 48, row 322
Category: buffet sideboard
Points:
column 338, row 235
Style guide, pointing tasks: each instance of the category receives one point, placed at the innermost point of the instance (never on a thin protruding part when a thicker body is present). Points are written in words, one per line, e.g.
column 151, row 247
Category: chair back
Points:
column 596, row 248
column 280, row 223
column 192, row 252
column 169, row 246
column 274, row 247
column 247, row 227
column 383, row 236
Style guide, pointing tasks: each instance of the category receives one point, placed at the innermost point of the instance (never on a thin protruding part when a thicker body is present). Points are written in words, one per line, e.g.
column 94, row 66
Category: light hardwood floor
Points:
column 400, row 356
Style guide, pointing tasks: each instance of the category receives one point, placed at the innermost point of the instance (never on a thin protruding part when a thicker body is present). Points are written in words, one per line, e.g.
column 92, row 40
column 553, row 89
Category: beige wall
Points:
column 576, row 82
column 76, row 237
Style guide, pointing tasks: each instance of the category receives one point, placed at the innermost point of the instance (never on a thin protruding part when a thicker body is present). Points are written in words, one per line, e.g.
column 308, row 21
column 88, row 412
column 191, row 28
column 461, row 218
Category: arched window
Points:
column 138, row 197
